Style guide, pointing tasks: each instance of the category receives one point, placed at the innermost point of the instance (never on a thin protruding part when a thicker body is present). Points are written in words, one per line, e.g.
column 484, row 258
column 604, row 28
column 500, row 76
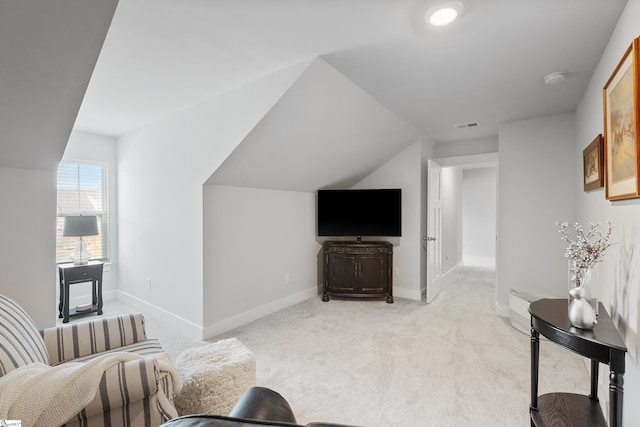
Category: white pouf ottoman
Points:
column 214, row 376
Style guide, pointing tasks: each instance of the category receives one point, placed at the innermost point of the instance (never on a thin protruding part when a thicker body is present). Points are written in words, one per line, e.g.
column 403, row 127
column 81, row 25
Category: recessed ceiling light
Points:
column 555, row 78
column 444, row 13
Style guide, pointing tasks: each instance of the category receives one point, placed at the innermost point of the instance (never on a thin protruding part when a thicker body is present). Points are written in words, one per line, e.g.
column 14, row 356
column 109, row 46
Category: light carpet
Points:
column 449, row 363
column 409, row 364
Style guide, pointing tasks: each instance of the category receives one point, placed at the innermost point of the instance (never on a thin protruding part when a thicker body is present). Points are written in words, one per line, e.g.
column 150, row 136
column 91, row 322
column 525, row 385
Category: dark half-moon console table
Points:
column 602, row 345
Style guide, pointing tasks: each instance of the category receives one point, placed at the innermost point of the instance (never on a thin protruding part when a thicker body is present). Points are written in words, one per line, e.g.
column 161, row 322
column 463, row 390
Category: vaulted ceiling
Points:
column 323, row 132
column 161, row 56
column 48, row 50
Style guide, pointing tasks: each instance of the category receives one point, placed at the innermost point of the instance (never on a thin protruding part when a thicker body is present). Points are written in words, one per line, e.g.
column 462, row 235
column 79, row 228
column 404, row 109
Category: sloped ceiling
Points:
column 48, row 50
column 324, row 132
column 162, row 56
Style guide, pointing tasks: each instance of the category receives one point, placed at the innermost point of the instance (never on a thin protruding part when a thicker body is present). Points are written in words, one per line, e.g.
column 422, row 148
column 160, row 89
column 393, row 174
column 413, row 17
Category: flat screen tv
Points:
column 360, row 212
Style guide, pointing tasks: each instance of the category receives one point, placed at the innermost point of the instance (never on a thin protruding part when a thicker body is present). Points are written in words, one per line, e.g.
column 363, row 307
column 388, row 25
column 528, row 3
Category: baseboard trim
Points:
column 248, row 316
column 110, row 296
column 458, row 265
column 479, row 261
column 183, row 325
column 503, row 310
column 411, row 294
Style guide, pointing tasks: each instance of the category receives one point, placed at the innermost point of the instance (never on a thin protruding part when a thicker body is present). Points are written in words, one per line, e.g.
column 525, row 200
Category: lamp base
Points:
column 81, row 255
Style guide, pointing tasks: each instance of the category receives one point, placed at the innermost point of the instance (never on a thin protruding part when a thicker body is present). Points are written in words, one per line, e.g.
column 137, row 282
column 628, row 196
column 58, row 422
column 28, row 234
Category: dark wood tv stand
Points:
column 358, row 269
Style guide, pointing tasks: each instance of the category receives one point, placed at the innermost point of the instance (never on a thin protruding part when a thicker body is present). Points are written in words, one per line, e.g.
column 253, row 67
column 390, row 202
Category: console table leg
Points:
column 595, row 365
column 65, row 307
column 61, row 302
column 99, row 297
column 94, row 292
column 616, row 382
column 535, row 358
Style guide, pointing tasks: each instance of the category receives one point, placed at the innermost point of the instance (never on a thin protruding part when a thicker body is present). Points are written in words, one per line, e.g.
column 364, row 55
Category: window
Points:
column 82, row 190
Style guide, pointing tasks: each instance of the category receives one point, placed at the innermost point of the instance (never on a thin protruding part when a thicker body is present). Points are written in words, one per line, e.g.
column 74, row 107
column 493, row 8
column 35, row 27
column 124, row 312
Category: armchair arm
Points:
column 261, row 403
column 71, row 341
column 135, row 383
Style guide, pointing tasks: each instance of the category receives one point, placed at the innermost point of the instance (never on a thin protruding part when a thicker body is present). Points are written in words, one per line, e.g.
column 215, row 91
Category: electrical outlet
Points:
column 396, row 271
column 287, row 278
column 148, row 284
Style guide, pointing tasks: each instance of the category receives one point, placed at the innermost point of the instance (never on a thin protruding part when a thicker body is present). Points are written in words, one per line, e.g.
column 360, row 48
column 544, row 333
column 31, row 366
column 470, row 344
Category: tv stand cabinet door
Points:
column 343, row 273
column 373, row 274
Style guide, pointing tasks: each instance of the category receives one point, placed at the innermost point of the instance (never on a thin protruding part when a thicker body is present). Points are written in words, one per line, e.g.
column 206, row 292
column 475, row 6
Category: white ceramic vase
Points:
column 583, row 305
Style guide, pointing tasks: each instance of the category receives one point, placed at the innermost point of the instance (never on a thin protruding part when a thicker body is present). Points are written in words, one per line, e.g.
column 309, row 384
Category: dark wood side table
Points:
column 602, row 345
column 70, row 274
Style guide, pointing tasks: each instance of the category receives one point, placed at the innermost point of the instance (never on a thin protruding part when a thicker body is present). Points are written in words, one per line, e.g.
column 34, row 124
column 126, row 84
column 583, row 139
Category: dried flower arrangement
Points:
column 586, row 249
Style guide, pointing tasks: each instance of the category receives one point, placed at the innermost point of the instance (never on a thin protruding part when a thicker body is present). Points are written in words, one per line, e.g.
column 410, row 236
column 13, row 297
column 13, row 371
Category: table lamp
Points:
column 79, row 226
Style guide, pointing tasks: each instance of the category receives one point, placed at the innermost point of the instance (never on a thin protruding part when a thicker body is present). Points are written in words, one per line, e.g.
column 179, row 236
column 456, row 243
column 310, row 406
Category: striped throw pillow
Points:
column 20, row 340
column 74, row 341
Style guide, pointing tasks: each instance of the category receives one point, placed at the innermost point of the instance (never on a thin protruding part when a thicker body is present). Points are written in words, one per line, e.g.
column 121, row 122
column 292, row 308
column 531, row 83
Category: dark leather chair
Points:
column 258, row 406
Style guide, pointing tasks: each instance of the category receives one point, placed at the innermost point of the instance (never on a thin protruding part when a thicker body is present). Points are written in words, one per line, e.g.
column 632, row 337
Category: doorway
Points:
column 461, row 230
column 479, row 210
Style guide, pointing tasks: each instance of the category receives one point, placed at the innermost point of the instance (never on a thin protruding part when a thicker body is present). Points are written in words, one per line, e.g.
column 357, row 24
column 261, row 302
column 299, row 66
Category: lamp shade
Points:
column 78, row 226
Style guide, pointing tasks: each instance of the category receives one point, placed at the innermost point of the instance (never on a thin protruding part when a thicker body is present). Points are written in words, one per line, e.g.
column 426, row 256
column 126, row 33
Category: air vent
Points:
column 467, row 125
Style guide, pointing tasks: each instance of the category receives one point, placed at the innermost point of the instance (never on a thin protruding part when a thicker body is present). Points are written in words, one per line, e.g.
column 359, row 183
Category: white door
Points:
column 432, row 241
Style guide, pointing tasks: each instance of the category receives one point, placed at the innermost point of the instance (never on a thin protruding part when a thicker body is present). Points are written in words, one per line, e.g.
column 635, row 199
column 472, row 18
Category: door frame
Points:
column 474, row 160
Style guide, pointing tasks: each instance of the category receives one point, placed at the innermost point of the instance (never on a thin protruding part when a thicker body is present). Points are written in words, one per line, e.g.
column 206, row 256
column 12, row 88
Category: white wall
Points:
column 260, row 253
column 404, row 171
column 619, row 274
column 325, row 131
column 161, row 171
column 465, row 148
column 48, row 55
column 479, row 189
column 98, row 149
column 28, row 241
column 451, row 218
column 537, row 188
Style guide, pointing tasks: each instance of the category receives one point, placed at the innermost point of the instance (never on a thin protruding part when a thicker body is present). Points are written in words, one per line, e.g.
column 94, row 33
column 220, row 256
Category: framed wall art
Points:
column 621, row 146
column 593, row 164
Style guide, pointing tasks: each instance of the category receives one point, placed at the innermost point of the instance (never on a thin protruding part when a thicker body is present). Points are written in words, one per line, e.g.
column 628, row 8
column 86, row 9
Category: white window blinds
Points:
column 82, row 190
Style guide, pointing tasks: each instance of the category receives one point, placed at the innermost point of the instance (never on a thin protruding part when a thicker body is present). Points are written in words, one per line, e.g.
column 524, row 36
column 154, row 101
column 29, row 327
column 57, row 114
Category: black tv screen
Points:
column 360, row 212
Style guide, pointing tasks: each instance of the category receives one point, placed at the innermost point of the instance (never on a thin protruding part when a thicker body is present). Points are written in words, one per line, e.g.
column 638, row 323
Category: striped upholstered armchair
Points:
column 103, row 372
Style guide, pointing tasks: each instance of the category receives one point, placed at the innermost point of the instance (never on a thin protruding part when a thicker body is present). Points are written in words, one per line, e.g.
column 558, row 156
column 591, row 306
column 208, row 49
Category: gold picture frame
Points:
column 621, row 132
column 593, row 164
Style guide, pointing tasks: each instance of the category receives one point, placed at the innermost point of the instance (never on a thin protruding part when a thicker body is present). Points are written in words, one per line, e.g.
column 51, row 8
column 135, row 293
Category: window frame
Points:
column 103, row 216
